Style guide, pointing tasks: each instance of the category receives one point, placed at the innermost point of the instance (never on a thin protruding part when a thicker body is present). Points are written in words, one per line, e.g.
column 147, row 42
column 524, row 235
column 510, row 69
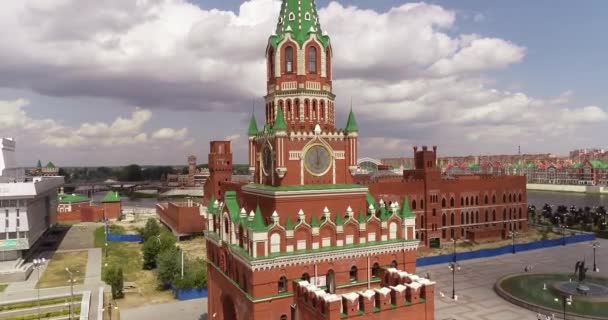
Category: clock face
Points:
column 267, row 160
column 317, row 160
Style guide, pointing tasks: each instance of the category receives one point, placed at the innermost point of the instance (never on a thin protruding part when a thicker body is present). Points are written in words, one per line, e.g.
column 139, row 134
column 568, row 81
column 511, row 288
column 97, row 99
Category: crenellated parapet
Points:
column 398, row 289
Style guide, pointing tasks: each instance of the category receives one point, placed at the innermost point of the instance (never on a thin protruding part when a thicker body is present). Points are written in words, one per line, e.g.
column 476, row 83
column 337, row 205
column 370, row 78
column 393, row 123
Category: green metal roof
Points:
column 288, row 224
column 111, row 196
column 406, row 212
column 300, row 19
column 210, row 207
column 232, row 205
column 597, row 164
column 50, row 165
column 338, row 220
column 370, row 200
column 351, row 123
column 258, row 225
column 362, row 218
column 313, row 221
column 72, row 198
column 279, row 123
column 253, row 126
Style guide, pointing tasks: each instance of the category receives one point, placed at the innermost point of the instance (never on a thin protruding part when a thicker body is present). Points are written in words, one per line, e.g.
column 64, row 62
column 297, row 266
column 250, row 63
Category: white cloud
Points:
column 408, row 69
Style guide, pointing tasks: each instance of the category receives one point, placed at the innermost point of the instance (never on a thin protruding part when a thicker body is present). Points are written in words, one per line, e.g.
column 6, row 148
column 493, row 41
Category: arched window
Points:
column 394, row 264
column 443, row 220
column 504, row 198
column 322, row 110
column 461, row 218
column 314, row 110
column 493, row 198
column 275, row 243
column 292, row 16
column 421, row 204
column 520, row 197
column 462, row 201
column 284, row 317
column 486, row 216
column 519, row 213
column 289, row 59
column 452, row 202
column 282, row 284
column 486, row 199
column 305, row 277
column 376, row 270
column 452, row 219
column 312, row 60
column 466, row 201
column 476, row 200
column 413, row 204
column 443, row 204
column 467, row 220
column 504, row 214
column 493, row 215
column 476, row 216
column 330, row 281
column 443, row 233
column 226, row 229
column 421, row 221
column 393, row 231
column 353, row 274
column 271, row 64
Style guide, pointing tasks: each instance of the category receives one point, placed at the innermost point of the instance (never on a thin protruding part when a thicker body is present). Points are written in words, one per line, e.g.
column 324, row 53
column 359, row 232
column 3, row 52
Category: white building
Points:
column 28, row 207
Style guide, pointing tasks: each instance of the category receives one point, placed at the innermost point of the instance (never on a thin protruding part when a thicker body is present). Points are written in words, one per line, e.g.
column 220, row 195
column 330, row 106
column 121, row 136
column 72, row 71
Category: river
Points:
column 539, row 198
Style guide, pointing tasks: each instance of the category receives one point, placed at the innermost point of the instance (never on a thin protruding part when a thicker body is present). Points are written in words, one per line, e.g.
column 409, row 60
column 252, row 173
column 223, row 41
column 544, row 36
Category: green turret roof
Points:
column 279, row 123
column 314, row 222
column 210, row 207
column 111, row 196
column 298, row 18
column 253, row 126
column 39, row 165
column 406, row 212
column 50, row 165
column 362, row 217
column 338, row 220
column 232, row 205
column 258, row 225
column 351, row 124
column 288, row 224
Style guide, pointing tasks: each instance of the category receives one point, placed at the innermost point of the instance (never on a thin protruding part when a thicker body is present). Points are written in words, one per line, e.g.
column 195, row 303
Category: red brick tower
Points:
column 302, row 241
column 220, row 168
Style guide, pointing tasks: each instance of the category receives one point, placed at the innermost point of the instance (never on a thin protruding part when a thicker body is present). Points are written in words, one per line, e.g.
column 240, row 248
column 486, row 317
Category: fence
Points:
column 486, row 253
column 190, row 294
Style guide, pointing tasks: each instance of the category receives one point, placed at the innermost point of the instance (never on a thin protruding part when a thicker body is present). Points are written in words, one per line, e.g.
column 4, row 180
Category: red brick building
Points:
column 475, row 207
column 183, row 218
column 303, row 241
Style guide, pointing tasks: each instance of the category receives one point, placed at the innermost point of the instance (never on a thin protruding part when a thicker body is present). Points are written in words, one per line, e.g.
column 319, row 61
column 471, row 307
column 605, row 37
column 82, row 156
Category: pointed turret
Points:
column 258, row 225
column 351, row 123
column 39, row 165
column 253, row 126
column 299, row 18
column 279, row 123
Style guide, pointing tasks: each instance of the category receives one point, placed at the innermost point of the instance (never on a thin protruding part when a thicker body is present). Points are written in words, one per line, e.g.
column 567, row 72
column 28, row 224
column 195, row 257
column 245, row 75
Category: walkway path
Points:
column 474, row 282
column 191, row 310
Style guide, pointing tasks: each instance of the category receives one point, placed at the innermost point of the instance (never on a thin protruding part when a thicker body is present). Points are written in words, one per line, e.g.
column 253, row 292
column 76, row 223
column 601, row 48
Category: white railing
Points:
column 291, row 85
column 295, row 155
column 313, row 85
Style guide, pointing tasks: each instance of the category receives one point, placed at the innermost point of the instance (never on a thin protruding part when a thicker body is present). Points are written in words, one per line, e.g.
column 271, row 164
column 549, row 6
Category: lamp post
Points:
column 106, row 249
column 595, row 245
column 453, row 266
column 111, row 305
column 512, row 234
column 566, row 300
column 182, row 254
column 38, row 263
column 71, row 316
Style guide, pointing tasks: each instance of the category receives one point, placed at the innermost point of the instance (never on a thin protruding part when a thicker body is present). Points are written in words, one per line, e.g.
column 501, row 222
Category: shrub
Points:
column 115, row 278
column 151, row 229
column 169, row 266
column 151, row 249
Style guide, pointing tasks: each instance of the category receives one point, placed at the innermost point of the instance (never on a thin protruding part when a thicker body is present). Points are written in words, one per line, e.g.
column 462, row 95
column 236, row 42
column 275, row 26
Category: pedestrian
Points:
column 538, row 317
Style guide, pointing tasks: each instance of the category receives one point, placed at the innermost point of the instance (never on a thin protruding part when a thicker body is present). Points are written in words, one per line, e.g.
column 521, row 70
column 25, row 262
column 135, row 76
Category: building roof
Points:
column 258, row 225
column 72, row 198
column 50, row 165
column 279, row 123
column 406, row 212
column 39, row 164
column 111, row 196
column 232, row 205
column 298, row 18
column 253, row 126
column 351, row 123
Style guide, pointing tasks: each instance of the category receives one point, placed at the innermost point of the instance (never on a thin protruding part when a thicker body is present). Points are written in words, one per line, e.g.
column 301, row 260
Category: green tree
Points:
column 151, row 229
column 151, row 249
column 168, row 266
column 115, row 278
column 131, row 173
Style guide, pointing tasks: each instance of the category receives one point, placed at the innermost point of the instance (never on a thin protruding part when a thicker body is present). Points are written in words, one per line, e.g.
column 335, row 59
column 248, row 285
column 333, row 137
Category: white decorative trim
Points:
column 295, row 155
column 339, row 155
column 310, row 258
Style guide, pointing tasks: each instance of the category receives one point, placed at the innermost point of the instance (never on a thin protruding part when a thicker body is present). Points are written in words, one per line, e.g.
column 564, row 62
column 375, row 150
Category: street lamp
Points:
column 453, row 267
column 595, row 245
column 566, row 300
column 512, row 234
column 106, row 249
column 111, row 305
column 563, row 227
column 39, row 263
column 71, row 290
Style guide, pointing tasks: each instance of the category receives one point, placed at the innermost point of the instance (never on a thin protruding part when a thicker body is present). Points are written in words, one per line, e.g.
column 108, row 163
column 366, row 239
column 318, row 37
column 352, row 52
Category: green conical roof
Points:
column 258, row 225
column 39, row 165
column 50, row 165
column 362, row 217
column 314, row 222
column 351, row 124
column 339, row 220
column 111, row 196
column 232, row 205
column 253, row 126
column 279, row 123
column 406, row 212
column 298, row 18
column 288, row 224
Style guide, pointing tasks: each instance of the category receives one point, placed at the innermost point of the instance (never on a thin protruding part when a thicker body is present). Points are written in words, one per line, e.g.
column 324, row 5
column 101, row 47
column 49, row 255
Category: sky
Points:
column 87, row 83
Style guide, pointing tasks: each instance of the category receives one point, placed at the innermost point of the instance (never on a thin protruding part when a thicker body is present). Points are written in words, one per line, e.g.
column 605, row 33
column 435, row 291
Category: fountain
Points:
column 541, row 292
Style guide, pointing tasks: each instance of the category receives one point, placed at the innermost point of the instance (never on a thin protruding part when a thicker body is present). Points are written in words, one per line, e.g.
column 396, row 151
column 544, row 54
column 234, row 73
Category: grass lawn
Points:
column 3, row 286
column 128, row 255
column 34, row 303
column 55, row 274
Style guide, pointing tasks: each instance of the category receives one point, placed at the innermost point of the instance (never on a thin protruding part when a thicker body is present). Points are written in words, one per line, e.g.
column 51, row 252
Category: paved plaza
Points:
column 476, row 278
column 192, row 310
